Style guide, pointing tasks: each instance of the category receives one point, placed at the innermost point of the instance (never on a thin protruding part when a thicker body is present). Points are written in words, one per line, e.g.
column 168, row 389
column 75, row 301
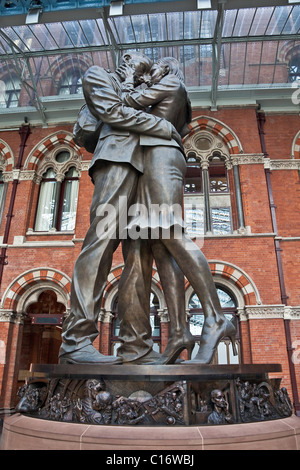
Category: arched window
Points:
column 46, row 206
column 154, row 321
column 47, row 310
column 212, row 197
column 219, row 196
column 224, row 353
column 193, row 177
column 71, row 83
column 294, row 69
column 207, row 196
column 57, row 203
column 41, row 338
column 10, row 92
column 68, row 201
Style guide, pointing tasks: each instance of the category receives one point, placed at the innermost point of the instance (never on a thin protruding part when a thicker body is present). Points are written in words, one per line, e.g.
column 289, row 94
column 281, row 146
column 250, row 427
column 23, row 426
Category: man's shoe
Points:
column 152, row 357
column 88, row 355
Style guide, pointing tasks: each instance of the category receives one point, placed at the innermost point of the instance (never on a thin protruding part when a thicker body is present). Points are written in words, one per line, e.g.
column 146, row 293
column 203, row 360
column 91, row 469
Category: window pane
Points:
column 294, row 72
column 116, row 326
column 226, row 300
column 194, row 220
column 193, row 179
column 71, row 84
column 69, row 205
column 10, row 92
column 194, row 302
column 196, row 324
column 63, row 156
column 221, row 221
column 217, row 176
column 155, row 325
column 222, row 353
column 46, row 206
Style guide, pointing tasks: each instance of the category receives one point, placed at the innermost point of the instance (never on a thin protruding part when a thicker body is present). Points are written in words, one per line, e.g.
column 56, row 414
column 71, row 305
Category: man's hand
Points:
column 127, row 72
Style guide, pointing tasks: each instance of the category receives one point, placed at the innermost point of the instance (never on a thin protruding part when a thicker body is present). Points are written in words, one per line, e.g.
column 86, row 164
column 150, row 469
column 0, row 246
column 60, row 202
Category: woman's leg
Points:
column 196, row 268
column 173, row 284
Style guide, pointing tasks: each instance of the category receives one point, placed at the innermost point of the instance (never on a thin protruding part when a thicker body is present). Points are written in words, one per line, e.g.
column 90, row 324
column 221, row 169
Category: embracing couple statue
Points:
column 135, row 134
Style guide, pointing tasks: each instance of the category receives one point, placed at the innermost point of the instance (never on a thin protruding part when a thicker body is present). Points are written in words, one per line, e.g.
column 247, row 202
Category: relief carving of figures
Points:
column 89, row 402
column 260, row 402
column 96, row 405
column 220, row 413
column 31, row 397
column 169, row 404
column 283, row 402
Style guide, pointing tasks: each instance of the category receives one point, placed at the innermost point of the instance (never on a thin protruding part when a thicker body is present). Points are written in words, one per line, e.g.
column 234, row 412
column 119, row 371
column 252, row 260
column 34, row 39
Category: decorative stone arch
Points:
column 235, row 280
column 296, row 146
column 31, row 283
column 58, row 140
column 219, row 129
column 288, row 51
column 6, row 157
column 73, row 62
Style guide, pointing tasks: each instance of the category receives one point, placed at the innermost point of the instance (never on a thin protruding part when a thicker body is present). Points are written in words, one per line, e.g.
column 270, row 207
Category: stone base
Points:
column 25, row 433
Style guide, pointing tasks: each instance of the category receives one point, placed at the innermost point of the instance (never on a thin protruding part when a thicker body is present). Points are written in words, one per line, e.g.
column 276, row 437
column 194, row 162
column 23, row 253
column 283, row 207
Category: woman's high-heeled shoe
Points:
column 177, row 343
column 212, row 334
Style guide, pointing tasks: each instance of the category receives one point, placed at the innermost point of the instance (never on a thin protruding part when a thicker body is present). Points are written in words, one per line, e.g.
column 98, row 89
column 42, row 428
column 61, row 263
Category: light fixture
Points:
column 293, row 1
column 34, row 11
column 116, row 7
column 203, row 4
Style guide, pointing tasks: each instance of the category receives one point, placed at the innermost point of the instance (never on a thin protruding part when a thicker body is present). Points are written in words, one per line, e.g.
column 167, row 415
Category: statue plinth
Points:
column 154, row 395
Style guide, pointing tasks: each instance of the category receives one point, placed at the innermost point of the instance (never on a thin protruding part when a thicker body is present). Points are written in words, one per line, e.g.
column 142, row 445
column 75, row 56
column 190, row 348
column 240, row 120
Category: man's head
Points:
column 140, row 63
column 218, row 399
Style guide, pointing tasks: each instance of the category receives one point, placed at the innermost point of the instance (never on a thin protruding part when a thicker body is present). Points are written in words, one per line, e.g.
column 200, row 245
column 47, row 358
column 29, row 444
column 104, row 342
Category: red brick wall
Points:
column 280, row 131
column 241, row 121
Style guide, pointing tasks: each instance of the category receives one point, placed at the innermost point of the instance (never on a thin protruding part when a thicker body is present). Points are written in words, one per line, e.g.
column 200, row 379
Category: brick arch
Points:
column 47, row 145
column 217, row 128
column 18, row 288
column 237, row 278
column 6, row 154
column 288, row 51
column 59, row 68
column 296, row 147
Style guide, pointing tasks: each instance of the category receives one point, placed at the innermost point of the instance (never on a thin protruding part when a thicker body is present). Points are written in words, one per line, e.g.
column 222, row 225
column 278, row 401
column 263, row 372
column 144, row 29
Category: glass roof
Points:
column 218, row 49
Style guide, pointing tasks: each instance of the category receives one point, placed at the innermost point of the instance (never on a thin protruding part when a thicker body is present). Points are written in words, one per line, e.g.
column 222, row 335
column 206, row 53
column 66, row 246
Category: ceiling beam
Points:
column 133, row 9
column 148, row 45
column 217, row 47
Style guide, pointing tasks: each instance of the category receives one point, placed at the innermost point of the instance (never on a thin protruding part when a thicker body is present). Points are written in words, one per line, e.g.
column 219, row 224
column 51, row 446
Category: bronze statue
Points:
column 138, row 158
column 162, row 182
column 115, row 169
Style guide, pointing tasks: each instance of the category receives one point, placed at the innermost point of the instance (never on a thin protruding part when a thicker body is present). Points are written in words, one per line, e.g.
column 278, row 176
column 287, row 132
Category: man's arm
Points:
column 140, row 99
column 105, row 104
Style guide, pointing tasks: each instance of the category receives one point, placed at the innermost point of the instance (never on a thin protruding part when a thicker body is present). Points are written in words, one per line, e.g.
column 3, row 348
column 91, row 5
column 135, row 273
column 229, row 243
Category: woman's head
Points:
column 164, row 66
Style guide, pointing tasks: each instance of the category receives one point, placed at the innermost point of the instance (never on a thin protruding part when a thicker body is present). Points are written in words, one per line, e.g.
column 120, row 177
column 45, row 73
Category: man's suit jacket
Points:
column 120, row 143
